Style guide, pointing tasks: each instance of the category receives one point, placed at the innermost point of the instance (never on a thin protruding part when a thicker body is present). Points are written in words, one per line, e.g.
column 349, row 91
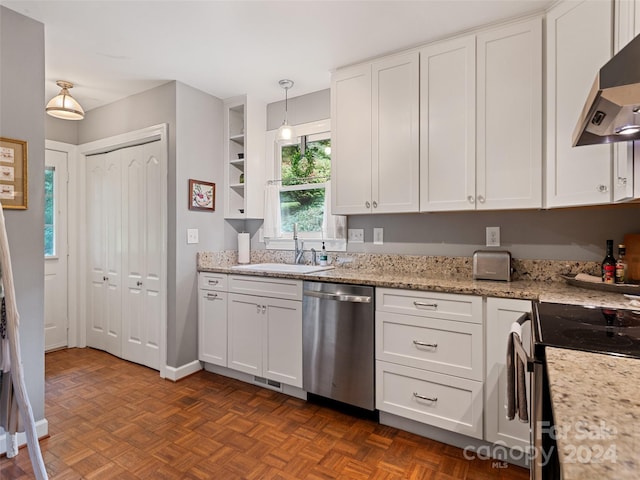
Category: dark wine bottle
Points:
column 609, row 265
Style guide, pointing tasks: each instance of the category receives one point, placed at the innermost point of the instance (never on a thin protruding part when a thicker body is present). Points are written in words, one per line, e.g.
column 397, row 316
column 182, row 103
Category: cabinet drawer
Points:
column 462, row 308
column 283, row 288
column 447, row 402
column 213, row 281
column 443, row 346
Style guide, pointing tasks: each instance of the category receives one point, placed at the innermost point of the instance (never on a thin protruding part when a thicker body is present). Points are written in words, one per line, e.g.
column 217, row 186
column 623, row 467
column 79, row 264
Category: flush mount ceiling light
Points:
column 285, row 133
column 64, row 105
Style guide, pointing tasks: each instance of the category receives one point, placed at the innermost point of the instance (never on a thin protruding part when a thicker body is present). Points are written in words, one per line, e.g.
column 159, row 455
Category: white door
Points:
column 580, row 175
column 448, row 125
column 509, row 126
column 104, row 224
column 55, row 254
column 244, row 328
column 395, row 155
column 501, row 313
column 282, row 341
column 351, row 140
column 143, row 219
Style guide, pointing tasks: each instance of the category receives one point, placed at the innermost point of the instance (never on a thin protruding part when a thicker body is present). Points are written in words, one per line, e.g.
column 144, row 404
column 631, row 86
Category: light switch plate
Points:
column 356, row 235
column 192, row 235
column 493, row 236
column 378, row 236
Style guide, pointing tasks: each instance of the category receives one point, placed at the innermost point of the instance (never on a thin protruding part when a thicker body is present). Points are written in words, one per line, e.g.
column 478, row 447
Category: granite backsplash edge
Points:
column 460, row 267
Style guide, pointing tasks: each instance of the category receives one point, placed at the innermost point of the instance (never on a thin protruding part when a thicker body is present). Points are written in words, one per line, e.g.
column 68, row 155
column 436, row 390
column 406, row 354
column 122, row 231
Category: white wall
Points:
column 22, row 117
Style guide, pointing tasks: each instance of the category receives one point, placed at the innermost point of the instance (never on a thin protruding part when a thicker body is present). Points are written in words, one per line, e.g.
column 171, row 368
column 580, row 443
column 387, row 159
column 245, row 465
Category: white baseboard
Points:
column 42, row 430
column 175, row 374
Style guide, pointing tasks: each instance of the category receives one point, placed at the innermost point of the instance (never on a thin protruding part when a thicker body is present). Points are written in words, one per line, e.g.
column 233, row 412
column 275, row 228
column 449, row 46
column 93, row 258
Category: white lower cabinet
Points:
column 429, row 358
column 265, row 332
column 212, row 318
column 501, row 313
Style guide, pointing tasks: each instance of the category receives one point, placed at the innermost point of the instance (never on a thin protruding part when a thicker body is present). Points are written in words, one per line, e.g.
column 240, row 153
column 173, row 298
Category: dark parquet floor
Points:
column 111, row 419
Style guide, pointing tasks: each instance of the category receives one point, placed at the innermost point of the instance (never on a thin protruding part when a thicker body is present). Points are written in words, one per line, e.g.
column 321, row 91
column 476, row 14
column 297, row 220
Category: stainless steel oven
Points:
column 577, row 327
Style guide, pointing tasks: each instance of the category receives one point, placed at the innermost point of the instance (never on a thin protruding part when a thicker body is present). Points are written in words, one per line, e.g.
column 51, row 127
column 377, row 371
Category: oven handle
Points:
column 520, row 352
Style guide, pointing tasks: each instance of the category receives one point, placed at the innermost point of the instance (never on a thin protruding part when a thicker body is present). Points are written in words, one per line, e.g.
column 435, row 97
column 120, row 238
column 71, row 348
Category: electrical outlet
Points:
column 356, row 235
column 493, row 236
column 192, row 235
column 378, row 236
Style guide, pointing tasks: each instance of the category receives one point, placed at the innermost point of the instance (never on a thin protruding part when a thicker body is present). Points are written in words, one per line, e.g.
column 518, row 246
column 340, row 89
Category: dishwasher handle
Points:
column 338, row 297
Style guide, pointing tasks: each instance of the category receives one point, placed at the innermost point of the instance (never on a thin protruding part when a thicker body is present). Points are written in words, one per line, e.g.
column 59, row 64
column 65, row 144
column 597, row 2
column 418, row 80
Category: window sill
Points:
column 308, row 244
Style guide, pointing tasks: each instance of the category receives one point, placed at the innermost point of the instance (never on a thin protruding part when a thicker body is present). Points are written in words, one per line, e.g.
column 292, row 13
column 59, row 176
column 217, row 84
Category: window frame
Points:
column 273, row 172
column 53, row 225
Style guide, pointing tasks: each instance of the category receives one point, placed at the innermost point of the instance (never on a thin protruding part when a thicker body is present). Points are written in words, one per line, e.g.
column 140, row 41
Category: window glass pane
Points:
column 311, row 166
column 49, row 212
column 304, row 207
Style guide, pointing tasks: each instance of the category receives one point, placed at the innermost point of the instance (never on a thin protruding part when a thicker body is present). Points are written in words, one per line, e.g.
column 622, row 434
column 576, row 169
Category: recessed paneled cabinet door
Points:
column 395, row 155
column 509, row 117
column 579, row 43
column 282, row 345
column 627, row 26
column 501, row 313
column 104, row 225
column 448, row 125
column 244, row 325
column 351, row 140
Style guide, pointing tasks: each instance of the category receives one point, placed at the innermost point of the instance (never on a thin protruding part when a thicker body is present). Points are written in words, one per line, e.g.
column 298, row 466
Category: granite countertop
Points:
column 553, row 292
column 596, row 409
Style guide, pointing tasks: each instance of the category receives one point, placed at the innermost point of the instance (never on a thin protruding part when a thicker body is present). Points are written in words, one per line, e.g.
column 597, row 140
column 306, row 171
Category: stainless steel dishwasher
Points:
column 338, row 342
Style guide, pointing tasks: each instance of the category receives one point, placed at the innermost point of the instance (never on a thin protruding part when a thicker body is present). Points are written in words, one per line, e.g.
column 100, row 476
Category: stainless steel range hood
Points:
column 612, row 110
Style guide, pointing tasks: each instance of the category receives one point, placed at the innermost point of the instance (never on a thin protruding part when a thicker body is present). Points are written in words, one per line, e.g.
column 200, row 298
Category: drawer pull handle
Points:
column 418, row 343
column 212, row 295
column 426, row 305
column 422, row 397
column 213, row 282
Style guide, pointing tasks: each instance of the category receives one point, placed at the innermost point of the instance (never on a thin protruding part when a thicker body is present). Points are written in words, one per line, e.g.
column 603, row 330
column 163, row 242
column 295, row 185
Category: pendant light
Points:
column 285, row 133
column 64, row 105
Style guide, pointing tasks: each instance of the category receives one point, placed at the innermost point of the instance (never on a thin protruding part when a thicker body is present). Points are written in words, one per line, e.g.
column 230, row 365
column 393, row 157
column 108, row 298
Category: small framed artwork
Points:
column 202, row 195
column 13, row 174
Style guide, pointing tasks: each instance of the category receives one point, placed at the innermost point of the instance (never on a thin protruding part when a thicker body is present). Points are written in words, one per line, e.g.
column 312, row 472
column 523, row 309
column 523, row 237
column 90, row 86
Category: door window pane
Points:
column 49, row 212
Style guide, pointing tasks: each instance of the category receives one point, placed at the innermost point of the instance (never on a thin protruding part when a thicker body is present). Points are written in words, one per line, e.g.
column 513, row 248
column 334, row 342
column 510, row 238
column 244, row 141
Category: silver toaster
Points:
column 492, row 265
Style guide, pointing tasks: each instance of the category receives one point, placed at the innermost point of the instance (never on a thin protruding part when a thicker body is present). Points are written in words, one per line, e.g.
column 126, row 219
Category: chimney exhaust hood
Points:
column 612, row 110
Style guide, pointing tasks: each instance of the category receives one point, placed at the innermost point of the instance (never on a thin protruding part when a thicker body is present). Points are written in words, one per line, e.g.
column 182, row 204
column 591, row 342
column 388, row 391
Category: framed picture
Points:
column 202, row 195
column 13, row 174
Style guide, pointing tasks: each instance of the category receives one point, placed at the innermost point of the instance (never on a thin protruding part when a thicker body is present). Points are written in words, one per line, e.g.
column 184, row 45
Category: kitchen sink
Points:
column 281, row 268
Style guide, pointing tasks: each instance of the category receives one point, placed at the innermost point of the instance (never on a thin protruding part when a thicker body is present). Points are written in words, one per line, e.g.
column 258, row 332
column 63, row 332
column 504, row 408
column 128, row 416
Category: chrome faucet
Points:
column 314, row 258
column 299, row 248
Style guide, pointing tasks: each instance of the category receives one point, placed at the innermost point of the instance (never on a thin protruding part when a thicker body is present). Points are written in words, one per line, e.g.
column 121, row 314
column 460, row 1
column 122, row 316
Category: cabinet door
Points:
column 580, row 175
column 143, row 220
column 244, row 327
column 448, row 125
column 395, row 154
column 351, row 140
column 212, row 327
column 626, row 27
column 501, row 313
column 282, row 346
column 509, row 143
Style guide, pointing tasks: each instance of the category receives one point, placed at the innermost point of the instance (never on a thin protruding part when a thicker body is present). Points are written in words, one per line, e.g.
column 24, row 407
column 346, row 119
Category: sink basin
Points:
column 281, row 268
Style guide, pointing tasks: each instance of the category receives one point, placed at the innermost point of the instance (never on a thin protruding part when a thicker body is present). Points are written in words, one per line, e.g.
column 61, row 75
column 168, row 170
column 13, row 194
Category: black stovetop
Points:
column 592, row 329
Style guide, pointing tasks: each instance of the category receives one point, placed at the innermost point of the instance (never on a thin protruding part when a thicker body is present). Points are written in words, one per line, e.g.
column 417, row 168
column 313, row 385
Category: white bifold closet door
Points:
column 125, row 190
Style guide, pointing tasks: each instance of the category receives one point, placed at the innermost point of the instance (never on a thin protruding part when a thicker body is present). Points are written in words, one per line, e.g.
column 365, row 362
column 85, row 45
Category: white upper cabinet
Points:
column 509, row 116
column 374, row 111
column 448, row 125
column 579, row 42
column 482, row 150
column 351, row 140
column 627, row 26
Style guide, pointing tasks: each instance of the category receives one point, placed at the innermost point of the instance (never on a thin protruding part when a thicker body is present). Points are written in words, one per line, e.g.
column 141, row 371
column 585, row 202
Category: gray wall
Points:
column 22, row 117
column 561, row 234
column 61, row 130
column 199, row 154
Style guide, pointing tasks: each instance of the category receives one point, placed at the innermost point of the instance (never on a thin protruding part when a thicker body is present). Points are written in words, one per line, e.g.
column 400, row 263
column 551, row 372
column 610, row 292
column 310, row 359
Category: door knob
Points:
column 139, row 283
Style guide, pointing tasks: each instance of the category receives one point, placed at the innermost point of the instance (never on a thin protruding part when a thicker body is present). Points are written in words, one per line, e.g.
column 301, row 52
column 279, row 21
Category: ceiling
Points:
column 113, row 49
